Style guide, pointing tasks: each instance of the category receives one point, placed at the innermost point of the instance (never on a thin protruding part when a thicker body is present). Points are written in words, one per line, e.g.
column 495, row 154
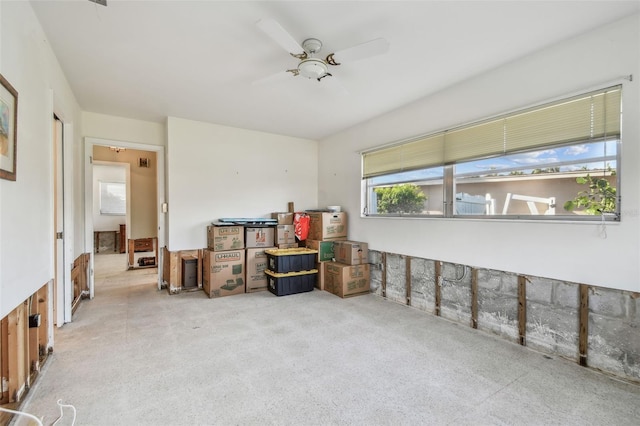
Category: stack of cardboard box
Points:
column 257, row 240
column 285, row 236
column 325, row 228
column 343, row 265
column 237, row 259
column 349, row 274
column 224, row 261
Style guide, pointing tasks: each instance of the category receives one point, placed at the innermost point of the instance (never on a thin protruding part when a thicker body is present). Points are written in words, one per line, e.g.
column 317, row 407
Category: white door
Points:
column 58, row 212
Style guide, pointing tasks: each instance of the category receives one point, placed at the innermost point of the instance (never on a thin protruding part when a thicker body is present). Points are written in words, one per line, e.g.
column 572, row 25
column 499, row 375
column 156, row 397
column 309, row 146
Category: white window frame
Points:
column 376, row 166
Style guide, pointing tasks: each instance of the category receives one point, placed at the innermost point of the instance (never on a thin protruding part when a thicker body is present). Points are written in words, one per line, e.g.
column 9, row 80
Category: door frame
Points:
column 64, row 296
column 59, row 258
column 89, row 143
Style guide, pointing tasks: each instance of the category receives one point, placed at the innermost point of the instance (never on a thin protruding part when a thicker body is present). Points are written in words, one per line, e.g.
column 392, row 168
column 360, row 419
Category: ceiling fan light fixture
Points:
column 313, row 68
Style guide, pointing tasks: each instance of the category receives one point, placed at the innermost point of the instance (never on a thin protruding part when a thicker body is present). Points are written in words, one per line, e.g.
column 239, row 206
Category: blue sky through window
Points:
column 589, row 156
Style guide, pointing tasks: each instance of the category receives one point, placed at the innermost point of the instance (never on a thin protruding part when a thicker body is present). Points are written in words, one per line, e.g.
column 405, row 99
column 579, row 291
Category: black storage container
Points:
column 283, row 261
column 189, row 272
column 291, row 283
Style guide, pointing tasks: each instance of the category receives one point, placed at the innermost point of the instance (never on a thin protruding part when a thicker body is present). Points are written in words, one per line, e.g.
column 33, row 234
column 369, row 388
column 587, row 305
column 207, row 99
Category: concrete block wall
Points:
column 614, row 331
column 498, row 303
column 455, row 286
column 396, row 277
column 552, row 317
column 489, row 301
column 423, row 292
column 375, row 273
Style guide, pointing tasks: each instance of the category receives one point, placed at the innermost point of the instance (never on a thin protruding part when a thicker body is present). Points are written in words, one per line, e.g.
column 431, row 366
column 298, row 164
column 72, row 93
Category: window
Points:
column 113, row 198
column 385, row 193
column 555, row 161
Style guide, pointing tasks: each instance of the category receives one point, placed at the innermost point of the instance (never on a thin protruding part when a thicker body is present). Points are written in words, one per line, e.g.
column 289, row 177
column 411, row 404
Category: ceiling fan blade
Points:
column 335, row 86
column 273, row 29
column 273, row 78
column 365, row 50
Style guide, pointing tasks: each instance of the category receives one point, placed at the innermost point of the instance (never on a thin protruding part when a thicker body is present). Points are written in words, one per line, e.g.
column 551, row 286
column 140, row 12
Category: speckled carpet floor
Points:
column 136, row 356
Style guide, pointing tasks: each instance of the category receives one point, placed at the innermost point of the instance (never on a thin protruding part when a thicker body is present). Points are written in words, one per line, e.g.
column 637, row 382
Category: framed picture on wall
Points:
column 144, row 162
column 8, row 129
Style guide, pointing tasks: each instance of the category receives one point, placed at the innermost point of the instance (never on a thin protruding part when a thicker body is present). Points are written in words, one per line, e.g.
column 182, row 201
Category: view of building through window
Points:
column 567, row 180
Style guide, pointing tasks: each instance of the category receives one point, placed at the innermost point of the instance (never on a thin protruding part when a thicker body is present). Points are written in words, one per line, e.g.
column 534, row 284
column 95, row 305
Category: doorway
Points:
column 141, row 233
column 111, row 215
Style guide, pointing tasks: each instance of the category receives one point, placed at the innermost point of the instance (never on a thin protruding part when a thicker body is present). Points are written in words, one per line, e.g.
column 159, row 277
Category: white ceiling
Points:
column 197, row 59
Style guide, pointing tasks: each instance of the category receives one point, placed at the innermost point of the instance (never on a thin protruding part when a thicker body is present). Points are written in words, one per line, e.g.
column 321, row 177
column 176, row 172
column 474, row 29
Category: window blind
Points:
column 474, row 141
column 418, row 154
column 113, row 198
column 588, row 117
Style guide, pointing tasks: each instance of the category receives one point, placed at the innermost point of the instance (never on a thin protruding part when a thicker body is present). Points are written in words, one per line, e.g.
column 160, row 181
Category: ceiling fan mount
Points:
column 312, row 45
column 309, row 66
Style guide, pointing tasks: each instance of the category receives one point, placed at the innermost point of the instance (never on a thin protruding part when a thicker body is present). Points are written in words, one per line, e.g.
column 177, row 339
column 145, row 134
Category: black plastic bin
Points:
column 283, row 261
column 291, row 283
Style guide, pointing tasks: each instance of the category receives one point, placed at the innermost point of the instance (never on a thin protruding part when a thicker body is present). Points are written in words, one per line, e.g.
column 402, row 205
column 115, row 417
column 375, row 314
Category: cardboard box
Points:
column 320, row 280
column 257, row 263
column 224, row 273
column 351, row 252
column 222, row 238
column 324, row 247
column 285, row 234
column 327, row 225
column 259, row 237
column 283, row 218
column 346, row 280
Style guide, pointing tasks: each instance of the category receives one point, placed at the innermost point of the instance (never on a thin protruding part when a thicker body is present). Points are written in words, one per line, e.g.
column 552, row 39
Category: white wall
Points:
column 26, row 205
column 123, row 129
column 568, row 251
column 104, row 173
column 216, row 171
column 113, row 129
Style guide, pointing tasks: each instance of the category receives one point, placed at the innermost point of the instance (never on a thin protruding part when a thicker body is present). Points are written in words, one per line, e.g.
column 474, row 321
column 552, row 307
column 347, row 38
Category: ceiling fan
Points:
column 309, row 65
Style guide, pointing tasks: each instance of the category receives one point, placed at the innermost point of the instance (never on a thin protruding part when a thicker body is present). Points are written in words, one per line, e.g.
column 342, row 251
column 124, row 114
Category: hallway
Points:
column 137, row 356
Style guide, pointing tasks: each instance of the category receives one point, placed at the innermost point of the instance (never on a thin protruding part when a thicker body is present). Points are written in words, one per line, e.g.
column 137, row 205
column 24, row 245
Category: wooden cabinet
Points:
column 143, row 244
column 123, row 238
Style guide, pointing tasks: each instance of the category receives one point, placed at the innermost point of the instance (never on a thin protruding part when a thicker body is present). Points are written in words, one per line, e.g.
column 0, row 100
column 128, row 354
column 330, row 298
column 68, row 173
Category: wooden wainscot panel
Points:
column 189, row 255
column 171, row 277
column 4, row 360
column 23, row 348
column 79, row 279
column 172, row 269
column 43, row 331
column 18, row 352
